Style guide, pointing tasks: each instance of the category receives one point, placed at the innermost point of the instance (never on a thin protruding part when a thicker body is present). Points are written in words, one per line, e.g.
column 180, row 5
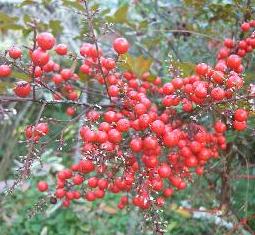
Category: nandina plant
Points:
column 148, row 139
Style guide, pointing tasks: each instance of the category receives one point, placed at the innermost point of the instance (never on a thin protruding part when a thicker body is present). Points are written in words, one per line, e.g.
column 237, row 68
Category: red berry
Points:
column 239, row 126
column 120, row 45
column 240, row 115
column 164, row 171
column 40, row 57
column 15, row 53
column 42, row 186
column 46, row 41
column 245, row 27
column 22, row 89
column 5, row 70
column 202, row 69
column 61, row 49
column 233, row 61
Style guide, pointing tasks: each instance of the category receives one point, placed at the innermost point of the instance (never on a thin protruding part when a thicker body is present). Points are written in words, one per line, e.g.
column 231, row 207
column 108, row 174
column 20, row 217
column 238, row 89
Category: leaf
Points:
column 108, row 209
column 73, row 4
column 56, row 27
column 186, row 68
column 27, row 2
column 5, row 18
column 120, row 16
column 11, row 27
column 20, row 76
column 83, row 77
column 138, row 65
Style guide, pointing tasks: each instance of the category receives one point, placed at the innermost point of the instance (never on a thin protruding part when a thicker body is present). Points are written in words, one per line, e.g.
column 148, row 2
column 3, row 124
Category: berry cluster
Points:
column 141, row 146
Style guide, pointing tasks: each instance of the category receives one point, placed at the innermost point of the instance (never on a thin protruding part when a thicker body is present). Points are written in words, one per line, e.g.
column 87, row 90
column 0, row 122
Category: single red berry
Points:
column 164, row 171
column 61, row 49
column 15, row 52
column 233, row 61
column 5, row 71
column 240, row 115
column 239, row 126
column 120, row 45
column 40, row 57
column 42, row 186
column 22, row 89
column 46, row 41
column 245, row 27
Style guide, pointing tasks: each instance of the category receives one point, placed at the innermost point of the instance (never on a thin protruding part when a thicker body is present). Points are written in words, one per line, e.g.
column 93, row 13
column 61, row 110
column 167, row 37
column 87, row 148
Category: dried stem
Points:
column 94, row 38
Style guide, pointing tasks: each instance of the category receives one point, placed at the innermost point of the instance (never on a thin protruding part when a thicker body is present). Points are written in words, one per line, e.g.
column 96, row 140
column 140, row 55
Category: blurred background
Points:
column 186, row 32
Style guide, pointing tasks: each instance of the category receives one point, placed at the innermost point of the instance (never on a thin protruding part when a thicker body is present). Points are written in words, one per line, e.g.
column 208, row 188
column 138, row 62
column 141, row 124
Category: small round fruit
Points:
column 22, row 89
column 240, row 115
column 61, row 49
column 46, row 41
column 5, row 70
column 42, row 186
column 14, row 52
column 120, row 45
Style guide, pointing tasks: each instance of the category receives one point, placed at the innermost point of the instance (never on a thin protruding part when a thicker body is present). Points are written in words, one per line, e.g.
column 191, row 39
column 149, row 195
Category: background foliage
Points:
column 185, row 32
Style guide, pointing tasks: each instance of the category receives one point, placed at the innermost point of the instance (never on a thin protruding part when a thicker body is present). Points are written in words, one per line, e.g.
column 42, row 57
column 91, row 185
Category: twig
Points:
column 92, row 31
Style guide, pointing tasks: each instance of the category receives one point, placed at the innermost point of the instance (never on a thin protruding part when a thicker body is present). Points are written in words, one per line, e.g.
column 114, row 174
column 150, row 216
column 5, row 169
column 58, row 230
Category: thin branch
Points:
column 92, row 31
column 52, row 102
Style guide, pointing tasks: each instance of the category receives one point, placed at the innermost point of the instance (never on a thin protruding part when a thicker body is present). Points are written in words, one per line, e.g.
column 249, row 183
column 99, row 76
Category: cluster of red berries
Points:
column 36, row 132
column 140, row 146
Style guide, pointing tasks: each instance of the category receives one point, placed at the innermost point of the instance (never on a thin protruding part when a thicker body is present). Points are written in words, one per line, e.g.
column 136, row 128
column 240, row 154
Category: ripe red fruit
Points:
column 46, row 41
column 15, row 52
column 229, row 43
column 41, row 129
column 92, row 182
column 136, row 144
column 114, row 136
column 240, row 115
column 42, row 186
column 168, row 88
column 168, row 192
column 40, row 57
column 245, row 27
column 5, row 70
column 239, row 126
column 85, row 69
column 78, row 179
column 70, row 111
column 66, row 74
column 22, row 89
column 123, row 125
column 202, row 69
column 233, row 61
column 90, row 196
column 60, row 193
column 220, row 127
column 164, row 171
column 120, row 45
column 102, row 184
column 158, row 127
column 86, row 166
column 113, row 91
column 218, row 93
column 61, row 49
column 191, row 161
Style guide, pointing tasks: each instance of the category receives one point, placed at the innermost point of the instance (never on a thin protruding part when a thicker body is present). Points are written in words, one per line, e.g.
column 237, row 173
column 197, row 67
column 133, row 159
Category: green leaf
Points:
column 56, row 27
column 73, row 4
column 120, row 16
column 20, row 76
column 138, row 65
column 185, row 67
column 27, row 2
column 4, row 18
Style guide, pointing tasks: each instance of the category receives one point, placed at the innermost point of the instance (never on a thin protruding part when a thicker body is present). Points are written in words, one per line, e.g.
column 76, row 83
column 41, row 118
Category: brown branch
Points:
column 92, row 31
column 52, row 102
